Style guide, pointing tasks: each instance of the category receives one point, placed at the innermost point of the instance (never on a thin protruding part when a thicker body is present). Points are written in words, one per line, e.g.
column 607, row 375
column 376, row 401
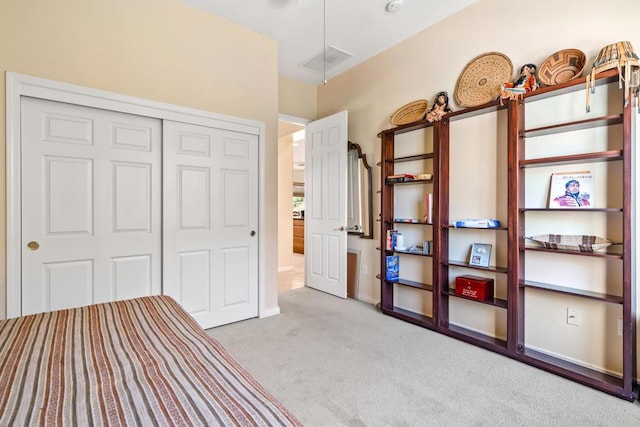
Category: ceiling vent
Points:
column 333, row 57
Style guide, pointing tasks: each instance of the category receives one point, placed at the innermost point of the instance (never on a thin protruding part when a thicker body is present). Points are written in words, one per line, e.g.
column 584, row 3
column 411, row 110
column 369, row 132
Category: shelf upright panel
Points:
column 516, row 231
column 441, row 218
column 628, row 285
column 387, row 146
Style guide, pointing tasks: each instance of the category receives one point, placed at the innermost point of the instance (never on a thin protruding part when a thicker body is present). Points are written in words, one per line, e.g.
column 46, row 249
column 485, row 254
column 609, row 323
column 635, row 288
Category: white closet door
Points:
column 91, row 192
column 210, row 217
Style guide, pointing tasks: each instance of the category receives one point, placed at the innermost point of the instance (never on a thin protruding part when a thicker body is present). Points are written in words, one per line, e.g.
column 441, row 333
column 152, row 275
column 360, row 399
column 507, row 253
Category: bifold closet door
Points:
column 210, row 217
column 91, row 201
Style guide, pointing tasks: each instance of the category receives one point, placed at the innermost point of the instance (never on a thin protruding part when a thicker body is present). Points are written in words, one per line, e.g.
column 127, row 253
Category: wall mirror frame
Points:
column 360, row 194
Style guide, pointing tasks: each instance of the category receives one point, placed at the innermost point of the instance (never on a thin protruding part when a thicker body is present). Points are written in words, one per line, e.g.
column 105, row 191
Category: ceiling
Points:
column 362, row 28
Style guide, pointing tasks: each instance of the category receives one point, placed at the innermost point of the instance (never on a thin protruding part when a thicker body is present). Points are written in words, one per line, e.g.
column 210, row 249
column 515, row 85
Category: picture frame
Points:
column 480, row 254
column 571, row 190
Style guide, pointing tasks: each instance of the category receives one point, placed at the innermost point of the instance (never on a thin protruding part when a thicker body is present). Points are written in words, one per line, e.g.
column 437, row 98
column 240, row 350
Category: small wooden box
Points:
column 474, row 287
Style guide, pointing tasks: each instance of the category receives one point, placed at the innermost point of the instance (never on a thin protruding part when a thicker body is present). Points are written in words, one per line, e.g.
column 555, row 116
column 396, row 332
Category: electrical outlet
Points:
column 574, row 316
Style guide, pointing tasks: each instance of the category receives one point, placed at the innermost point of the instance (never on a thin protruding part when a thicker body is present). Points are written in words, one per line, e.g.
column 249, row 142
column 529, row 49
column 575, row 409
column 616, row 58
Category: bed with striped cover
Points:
column 143, row 361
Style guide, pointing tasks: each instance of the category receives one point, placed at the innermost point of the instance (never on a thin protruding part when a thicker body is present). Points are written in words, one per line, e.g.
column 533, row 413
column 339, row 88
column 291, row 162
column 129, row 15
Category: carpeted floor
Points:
column 337, row 362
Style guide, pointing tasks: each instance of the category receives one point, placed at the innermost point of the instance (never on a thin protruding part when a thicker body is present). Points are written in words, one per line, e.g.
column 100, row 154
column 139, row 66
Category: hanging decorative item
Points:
column 480, row 80
column 618, row 55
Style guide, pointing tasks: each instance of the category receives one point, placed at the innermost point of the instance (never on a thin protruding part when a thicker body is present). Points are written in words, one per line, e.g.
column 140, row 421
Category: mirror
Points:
column 360, row 198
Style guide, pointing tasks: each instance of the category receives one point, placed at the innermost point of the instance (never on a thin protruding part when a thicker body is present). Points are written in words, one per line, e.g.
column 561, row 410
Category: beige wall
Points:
column 163, row 50
column 432, row 61
column 297, row 99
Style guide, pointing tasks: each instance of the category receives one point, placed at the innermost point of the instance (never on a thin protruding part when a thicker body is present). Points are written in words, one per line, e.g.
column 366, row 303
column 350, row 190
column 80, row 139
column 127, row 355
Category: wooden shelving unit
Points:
column 519, row 218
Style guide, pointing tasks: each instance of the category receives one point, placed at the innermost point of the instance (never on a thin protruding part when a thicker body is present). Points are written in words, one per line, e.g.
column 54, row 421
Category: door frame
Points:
column 18, row 85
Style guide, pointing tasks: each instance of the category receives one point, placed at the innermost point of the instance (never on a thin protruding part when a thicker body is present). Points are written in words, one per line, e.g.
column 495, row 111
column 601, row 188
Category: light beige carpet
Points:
column 337, row 362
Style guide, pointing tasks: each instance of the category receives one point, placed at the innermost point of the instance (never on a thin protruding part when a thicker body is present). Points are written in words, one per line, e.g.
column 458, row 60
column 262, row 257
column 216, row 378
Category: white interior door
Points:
column 90, row 206
column 210, row 216
column 325, row 237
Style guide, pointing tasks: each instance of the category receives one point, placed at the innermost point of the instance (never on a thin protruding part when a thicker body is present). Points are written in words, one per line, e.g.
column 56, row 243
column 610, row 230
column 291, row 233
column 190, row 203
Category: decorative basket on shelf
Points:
column 568, row 242
column 480, row 80
column 409, row 113
column 562, row 66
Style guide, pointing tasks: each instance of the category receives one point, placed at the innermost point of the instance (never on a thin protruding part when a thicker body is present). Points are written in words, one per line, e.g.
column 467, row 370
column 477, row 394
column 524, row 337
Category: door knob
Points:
column 341, row 228
column 33, row 246
column 253, row 233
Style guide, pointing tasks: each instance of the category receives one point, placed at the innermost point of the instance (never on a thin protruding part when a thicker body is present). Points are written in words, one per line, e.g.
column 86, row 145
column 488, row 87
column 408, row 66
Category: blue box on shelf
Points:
column 393, row 268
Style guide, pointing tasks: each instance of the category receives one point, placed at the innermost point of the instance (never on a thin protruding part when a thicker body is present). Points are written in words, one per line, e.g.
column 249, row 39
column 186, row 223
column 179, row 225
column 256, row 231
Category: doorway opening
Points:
column 291, row 196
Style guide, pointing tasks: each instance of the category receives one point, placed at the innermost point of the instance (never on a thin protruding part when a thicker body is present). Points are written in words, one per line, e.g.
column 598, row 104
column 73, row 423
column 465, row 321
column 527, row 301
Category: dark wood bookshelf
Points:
column 573, row 210
column 600, row 254
column 473, row 337
column 604, row 156
column 411, row 158
column 587, row 376
column 519, row 248
column 415, row 181
column 615, row 119
column 410, row 316
column 497, row 302
column 491, row 268
column 453, row 227
column 614, row 299
column 411, row 284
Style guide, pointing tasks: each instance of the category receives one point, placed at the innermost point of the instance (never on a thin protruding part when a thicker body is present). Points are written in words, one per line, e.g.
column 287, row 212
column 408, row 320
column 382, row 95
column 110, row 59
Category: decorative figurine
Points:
column 525, row 83
column 440, row 107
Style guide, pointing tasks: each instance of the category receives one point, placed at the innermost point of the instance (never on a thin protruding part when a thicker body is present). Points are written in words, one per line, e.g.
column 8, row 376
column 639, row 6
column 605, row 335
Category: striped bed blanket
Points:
column 143, row 361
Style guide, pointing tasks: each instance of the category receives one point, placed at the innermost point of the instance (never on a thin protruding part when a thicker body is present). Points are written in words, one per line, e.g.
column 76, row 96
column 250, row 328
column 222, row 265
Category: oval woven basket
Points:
column 562, row 66
column 480, row 80
column 409, row 113
column 569, row 242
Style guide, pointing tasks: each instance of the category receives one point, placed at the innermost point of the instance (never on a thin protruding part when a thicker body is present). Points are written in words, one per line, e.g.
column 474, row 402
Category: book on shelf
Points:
column 392, row 270
column 402, row 177
column 407, row 220
column 476, row 223
column 428, row 216
column 391, row 239
column 571, row 190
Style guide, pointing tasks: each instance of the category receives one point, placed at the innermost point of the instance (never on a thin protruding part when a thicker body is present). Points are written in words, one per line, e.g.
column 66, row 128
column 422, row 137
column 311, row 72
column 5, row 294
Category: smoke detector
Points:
column 394, row 6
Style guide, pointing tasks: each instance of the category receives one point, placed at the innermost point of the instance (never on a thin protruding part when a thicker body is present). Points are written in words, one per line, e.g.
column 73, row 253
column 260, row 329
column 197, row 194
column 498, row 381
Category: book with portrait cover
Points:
column 571, row 190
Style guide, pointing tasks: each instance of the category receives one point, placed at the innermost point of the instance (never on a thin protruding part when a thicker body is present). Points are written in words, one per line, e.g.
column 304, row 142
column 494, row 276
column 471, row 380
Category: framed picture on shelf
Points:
column 571, row 190
column 480, row 254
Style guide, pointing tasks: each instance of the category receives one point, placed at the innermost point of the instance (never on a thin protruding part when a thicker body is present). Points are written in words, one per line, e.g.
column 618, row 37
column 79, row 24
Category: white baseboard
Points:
column 285, row 268
column 270, row 312
column 367, row 299
column 576, row 361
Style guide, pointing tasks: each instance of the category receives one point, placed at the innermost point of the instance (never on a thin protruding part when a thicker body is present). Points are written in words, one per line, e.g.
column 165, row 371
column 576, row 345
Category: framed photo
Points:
column 480, row 254
column 571, row 190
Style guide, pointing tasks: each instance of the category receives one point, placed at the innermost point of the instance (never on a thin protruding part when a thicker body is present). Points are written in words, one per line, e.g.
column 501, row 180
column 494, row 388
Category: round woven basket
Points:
column 562, row 66
column 481, row 79
column 409, row 113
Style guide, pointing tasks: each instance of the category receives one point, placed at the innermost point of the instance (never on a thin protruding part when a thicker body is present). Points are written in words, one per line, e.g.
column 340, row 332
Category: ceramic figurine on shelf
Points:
column 524, row 84
column 440, row 107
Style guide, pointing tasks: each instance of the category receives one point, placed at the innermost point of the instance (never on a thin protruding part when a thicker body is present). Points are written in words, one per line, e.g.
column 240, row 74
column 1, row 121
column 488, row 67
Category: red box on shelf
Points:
column 474, row 287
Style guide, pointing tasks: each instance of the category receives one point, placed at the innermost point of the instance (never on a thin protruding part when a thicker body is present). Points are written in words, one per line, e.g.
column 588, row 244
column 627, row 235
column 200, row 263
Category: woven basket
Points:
column 569, row 242
column 618, row 55
column 562, row 66
column 480, row 80
column 409, row 113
